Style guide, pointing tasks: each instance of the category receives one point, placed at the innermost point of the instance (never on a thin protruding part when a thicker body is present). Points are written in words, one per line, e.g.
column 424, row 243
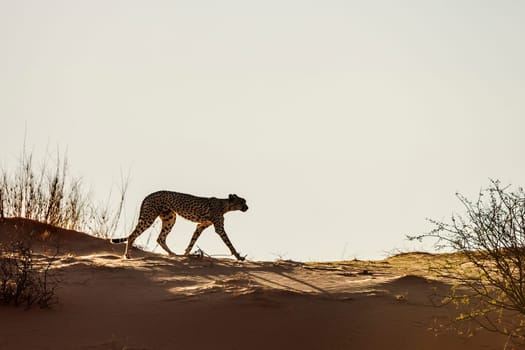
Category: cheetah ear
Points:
column 232, row 196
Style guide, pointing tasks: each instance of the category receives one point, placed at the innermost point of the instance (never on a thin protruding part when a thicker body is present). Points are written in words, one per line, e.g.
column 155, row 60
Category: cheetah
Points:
column 202, row 210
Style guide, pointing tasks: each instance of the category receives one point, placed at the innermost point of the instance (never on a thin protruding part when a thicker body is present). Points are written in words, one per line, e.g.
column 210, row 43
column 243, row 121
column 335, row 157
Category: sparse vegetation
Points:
column 25, row 280
column 489, row 286
column 49, row 194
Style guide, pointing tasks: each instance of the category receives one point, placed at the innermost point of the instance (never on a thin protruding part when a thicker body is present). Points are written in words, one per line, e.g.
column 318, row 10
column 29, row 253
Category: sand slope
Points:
column 157, row 302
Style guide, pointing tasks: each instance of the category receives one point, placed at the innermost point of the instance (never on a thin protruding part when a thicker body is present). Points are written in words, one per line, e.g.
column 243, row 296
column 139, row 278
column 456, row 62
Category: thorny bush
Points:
column 489, row 276
column 24, row 279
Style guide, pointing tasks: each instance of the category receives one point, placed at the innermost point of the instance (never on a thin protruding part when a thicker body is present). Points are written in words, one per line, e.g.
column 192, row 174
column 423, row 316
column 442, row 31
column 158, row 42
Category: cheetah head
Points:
column 237, row 203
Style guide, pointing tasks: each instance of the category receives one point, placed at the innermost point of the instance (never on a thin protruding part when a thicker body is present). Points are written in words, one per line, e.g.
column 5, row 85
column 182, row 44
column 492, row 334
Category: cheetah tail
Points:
column 118, row 240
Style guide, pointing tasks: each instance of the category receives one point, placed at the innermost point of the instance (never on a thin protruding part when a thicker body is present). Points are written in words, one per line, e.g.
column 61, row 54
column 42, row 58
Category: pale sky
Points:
column 344, row 124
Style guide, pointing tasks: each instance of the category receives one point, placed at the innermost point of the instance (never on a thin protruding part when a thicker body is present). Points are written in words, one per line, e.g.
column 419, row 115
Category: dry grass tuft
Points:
column 49, row 194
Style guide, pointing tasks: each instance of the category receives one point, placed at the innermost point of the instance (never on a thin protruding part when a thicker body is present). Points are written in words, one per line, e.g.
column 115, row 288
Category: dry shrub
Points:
column 489, row 269
column 24, row 280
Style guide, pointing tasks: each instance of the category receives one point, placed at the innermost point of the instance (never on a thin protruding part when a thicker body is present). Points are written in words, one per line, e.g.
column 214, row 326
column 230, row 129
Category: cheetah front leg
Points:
column 219, row 228
column 196, row 234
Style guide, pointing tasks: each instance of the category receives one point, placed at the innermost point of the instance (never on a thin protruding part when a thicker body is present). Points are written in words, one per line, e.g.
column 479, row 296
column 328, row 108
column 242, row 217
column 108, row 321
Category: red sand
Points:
column 158, row 302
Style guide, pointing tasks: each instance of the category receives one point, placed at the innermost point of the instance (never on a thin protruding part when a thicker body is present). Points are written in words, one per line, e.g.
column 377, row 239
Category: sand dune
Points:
column 158, row 302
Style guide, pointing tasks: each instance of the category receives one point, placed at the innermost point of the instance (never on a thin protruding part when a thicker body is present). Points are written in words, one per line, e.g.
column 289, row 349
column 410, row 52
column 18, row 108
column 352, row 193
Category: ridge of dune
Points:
column 49, row 239
column 158, row 302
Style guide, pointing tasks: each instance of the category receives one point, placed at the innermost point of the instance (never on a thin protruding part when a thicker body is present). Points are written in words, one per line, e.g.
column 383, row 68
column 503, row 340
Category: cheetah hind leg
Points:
column 142, row 225
column 168, row 220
